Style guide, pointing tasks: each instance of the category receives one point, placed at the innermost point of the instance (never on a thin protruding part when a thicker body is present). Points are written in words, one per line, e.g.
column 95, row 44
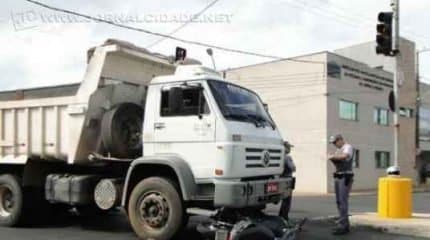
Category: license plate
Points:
column 272, row 187
column 222, row 234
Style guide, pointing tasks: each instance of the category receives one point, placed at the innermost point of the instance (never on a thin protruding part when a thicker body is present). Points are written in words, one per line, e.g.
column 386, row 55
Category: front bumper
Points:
column 239, row 194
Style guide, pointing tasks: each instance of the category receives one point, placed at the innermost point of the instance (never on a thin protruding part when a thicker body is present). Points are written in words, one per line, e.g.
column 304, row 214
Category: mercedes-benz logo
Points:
column 266, row 158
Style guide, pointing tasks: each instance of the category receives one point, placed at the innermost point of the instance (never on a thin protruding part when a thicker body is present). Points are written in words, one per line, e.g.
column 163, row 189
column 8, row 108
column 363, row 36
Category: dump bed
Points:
column 63, row 122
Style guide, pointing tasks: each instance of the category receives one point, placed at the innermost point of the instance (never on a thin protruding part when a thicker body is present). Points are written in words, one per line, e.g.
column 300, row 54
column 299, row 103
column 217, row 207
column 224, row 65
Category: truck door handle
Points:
column 159, row 125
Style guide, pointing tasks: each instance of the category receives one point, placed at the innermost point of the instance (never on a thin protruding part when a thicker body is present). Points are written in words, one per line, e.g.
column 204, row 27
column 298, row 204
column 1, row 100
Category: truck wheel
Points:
column 11, row 200
column 155, row 209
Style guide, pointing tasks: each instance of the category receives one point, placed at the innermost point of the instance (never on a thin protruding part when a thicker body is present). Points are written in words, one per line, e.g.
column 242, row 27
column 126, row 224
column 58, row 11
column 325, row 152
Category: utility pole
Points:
column 395, row 6
column 402, row 200
column 418, row 102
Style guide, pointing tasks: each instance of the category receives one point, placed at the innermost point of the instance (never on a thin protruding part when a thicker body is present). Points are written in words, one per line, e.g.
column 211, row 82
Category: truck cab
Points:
column 223, row 133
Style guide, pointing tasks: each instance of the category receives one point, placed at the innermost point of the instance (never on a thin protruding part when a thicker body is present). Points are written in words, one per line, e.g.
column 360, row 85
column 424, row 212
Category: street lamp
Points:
column 210, row 52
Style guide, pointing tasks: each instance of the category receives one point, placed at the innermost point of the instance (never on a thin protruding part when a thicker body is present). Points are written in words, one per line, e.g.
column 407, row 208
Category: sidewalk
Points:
column 416, row 189
column 418, row 226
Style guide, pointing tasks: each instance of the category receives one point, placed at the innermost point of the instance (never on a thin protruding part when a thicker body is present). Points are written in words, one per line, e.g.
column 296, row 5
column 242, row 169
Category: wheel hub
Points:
column 7, row 201
column 154, row 210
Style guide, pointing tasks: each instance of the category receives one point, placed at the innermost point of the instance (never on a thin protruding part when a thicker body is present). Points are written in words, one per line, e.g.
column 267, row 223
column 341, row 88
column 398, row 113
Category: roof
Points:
column 189, row 73
column 277, row 60
column 307, row 55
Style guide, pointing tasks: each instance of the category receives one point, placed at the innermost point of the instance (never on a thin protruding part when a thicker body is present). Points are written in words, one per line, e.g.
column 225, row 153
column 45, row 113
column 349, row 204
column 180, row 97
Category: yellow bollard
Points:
column 395, row 197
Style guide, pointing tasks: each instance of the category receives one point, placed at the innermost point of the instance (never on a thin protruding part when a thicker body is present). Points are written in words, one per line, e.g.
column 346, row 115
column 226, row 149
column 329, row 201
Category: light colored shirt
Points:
column 345, row 165
column 348, row 150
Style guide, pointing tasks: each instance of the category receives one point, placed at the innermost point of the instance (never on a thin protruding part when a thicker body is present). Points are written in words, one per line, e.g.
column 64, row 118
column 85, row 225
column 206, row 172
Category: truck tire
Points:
column 155, row 209
column 11, row 201
column 122, row 130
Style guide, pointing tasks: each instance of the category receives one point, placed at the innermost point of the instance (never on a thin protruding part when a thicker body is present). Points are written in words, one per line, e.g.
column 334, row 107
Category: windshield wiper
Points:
column 243, row 117
column 263, row 120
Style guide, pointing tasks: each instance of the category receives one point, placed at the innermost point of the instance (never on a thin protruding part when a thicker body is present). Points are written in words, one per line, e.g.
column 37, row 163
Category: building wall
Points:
column 364, row 134
column 407, row 96
column 295, row 94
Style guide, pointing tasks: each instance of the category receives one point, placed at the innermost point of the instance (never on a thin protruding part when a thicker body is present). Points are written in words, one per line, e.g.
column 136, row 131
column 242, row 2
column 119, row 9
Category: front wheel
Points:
column 155, row 209
column 11, row 201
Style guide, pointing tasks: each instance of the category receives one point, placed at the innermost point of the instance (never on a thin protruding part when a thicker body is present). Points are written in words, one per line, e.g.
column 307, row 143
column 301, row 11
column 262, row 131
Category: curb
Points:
column 396, row 230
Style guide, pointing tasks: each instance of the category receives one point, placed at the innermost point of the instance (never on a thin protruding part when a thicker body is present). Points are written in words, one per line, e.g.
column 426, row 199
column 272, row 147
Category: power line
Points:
column 195, row 16
column 225, row 49
column 334, row 13
column 318, row 11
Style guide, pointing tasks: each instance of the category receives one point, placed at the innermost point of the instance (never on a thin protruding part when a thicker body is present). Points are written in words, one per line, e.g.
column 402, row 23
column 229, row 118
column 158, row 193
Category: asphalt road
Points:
column 317, row 206
column 115, row 226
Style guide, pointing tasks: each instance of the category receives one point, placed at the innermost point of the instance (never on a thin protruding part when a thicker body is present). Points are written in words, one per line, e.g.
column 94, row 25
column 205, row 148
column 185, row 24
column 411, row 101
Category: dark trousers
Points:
column 343, row 188
column 285, row 207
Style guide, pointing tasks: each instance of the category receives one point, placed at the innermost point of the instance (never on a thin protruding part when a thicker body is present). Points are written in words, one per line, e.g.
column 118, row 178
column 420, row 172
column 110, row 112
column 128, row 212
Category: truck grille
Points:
column 263, row 158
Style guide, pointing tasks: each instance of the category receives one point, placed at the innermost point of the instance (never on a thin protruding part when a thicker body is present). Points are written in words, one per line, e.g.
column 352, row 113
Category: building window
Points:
column 382, row 159
column 356, row 159
column 380, row 116
column 333, row 70
column 348, row 110
column 406, row 112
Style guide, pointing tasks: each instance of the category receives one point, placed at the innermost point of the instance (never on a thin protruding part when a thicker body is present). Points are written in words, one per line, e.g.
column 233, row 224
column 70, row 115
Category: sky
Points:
column 40, row 47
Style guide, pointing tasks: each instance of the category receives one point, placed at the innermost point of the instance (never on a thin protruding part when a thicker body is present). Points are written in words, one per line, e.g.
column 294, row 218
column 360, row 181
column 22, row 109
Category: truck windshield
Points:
column 240, row 104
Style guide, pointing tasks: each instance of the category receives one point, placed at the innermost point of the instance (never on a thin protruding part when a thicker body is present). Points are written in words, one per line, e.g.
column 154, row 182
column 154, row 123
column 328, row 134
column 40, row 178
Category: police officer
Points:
column 289, row 169
column 343, row 179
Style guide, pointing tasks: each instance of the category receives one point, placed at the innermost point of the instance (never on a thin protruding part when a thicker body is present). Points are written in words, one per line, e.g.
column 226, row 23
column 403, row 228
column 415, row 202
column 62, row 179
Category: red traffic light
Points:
column 386, row 17
column 384, row 38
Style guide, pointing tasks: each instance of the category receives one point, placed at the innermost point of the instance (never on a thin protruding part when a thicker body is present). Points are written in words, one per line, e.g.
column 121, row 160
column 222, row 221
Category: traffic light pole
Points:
column 395, row 47
column 401, row 201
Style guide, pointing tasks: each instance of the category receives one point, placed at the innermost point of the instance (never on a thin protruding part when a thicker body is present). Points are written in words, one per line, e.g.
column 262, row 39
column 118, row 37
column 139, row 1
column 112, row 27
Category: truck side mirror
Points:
column 175, row 100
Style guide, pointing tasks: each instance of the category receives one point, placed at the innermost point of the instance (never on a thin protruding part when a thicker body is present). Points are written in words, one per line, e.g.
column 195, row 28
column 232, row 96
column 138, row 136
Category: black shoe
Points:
column 340, row 231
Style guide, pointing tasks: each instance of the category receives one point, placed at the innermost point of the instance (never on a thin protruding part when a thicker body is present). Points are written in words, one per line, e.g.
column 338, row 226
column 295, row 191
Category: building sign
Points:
column 367, row 79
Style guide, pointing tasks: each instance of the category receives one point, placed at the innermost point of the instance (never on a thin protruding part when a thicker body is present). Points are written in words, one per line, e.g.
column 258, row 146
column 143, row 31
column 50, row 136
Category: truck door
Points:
column 185, row 125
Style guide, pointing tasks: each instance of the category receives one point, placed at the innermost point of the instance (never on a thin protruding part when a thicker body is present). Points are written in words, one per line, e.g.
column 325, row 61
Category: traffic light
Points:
column 384, row 37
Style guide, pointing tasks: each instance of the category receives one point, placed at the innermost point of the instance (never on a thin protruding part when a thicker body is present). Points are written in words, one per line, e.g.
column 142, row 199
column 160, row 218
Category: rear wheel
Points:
column 155, row 209
column 11, row 200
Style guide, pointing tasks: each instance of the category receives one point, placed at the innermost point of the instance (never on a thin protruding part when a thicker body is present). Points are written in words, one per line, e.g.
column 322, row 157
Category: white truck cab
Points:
column 221, row 130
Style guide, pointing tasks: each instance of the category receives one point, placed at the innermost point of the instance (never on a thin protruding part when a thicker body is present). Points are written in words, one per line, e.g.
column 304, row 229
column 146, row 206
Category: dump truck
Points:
column 149, row 133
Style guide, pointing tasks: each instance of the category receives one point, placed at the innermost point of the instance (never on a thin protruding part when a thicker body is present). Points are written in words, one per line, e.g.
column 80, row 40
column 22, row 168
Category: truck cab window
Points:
column 193, row 102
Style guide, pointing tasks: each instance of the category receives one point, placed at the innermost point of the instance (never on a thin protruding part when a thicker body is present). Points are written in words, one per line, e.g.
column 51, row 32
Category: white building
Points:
column 314, row 96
